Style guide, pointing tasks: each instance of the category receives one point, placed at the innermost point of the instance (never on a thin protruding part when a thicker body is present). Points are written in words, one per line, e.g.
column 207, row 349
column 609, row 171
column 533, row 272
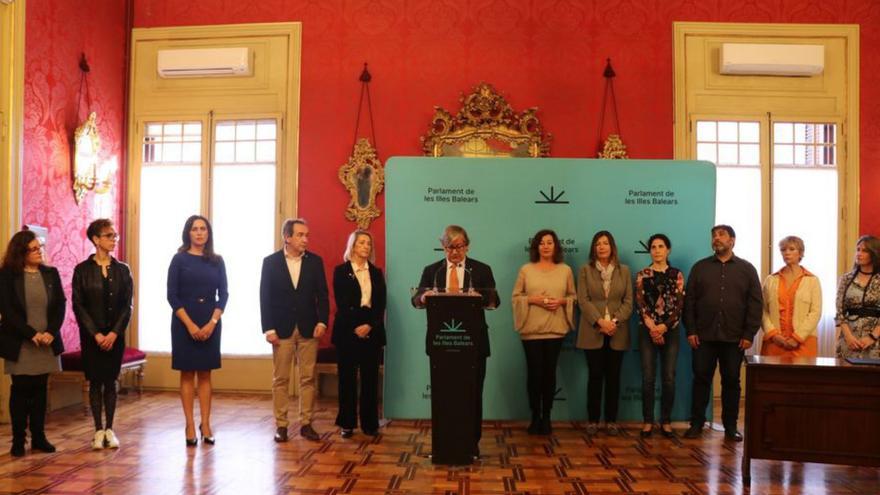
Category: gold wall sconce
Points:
column 88, row 173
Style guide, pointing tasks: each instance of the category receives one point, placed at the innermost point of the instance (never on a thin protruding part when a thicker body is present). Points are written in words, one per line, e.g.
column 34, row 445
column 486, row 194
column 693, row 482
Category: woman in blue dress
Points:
column 197, row 294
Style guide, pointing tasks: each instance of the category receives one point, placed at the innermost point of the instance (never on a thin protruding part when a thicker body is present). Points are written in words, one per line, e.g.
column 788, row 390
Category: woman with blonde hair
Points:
column 359, row 334
column 792, row 305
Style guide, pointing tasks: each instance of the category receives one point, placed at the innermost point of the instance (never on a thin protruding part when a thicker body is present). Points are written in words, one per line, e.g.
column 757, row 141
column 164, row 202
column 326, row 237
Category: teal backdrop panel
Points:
column 502, row 203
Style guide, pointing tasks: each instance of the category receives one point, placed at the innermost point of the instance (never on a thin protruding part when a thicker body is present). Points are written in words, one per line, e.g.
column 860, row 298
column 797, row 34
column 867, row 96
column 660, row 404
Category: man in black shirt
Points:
column 722, row 314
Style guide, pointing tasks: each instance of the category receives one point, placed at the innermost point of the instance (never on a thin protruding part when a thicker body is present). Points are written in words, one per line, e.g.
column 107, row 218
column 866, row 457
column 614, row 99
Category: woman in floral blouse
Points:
column 659, row 298
column 858, row 303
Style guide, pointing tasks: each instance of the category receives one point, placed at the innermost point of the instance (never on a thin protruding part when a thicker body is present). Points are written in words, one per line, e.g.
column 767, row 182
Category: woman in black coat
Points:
column 32, row 303
column 102, row 293
column 359, row 333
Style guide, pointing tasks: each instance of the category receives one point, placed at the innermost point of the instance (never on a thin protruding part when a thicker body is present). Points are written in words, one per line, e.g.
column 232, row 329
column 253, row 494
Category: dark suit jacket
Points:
column 477, row 275
column 284, row 308
column 350, row 314
column 13, row 308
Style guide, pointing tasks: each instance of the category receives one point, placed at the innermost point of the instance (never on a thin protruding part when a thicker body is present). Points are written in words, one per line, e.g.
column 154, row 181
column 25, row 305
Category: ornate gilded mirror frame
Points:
column 364, row 178
column 486, row 126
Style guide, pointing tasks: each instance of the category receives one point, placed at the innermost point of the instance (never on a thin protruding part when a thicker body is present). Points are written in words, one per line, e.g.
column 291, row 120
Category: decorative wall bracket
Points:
column 486, row 126
column 364, row 178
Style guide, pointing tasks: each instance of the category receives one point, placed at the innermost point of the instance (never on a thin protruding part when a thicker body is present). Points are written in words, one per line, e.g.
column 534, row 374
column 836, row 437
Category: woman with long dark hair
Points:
column 543, row 313
column 32, row 303
column 858, row 303
column 660, row 300
column 197, row 292
column 102, row 294
column 359, row 333
column 605, row 297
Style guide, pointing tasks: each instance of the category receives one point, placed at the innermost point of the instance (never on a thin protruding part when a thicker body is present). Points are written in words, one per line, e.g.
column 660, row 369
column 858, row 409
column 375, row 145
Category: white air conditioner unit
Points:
column 204, row 62
column 772, row 60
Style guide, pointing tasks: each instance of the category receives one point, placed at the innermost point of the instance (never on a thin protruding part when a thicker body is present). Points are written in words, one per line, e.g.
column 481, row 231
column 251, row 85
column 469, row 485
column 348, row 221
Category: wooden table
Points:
column 811, row 410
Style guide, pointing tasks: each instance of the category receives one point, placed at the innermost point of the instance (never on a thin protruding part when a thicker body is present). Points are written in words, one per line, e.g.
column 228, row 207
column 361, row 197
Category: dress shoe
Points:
column 309, row 433
column 346, row 433
column 670, row 433
column 544, row 427
column 281, row 434
column 593, row 429
column 43, row 445
column 17, row 449
column 535, row 426
column 733, row 436
column 112, row 441
column 695, row 431
column 612, row 429
column 98, row 440
column 208, row 439
column 646, row 433
column 371, row 433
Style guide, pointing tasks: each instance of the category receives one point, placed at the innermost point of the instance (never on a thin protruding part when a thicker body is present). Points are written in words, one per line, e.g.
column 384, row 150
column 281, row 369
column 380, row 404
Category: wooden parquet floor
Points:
column 153, row 459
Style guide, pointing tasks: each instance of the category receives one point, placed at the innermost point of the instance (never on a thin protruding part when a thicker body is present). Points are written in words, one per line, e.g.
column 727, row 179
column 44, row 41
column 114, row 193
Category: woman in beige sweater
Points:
column 792, row 305
column 543, row 304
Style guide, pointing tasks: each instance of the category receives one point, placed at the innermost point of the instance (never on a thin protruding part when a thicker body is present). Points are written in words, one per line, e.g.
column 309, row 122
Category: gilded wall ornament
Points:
column 363, row 178
column 486, row 126
column 613, row 149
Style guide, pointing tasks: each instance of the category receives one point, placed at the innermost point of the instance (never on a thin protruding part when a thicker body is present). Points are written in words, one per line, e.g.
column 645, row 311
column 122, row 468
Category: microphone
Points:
column 470, row 277
column 441, row 267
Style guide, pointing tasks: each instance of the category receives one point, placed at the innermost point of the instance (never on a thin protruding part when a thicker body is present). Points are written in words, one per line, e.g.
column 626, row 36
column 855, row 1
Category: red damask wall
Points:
column 57, row 32
column 545, row 53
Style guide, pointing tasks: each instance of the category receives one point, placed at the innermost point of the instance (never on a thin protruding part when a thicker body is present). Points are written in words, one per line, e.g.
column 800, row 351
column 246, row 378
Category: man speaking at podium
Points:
column 458, row 273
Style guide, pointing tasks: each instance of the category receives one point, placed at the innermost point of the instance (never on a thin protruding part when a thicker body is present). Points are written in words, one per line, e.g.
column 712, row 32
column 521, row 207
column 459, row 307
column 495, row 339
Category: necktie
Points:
column 454, row 284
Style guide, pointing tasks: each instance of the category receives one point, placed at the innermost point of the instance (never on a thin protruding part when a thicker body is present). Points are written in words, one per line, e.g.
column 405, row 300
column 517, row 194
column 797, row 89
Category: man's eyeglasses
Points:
column 110, row 235
column 458, row 247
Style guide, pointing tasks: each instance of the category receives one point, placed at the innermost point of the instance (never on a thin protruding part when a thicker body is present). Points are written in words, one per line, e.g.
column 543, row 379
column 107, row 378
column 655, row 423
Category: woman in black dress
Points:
column 359, row 333
column 197, row 294
column 32, row 304
column 102, row 292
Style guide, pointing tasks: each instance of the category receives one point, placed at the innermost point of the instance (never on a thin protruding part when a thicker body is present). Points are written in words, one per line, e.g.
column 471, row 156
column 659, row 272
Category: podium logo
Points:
column 452, row 326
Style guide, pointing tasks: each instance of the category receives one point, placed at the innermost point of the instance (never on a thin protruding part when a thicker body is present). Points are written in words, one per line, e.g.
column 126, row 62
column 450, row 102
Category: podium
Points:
column 454, row 348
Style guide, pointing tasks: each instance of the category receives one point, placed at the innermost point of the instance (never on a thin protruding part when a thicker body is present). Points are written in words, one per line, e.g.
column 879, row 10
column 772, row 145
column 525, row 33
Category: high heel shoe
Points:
column 206, row 439
column 192, row 442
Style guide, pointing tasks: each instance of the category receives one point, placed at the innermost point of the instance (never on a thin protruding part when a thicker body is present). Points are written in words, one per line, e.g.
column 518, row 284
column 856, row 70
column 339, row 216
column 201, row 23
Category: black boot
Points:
column 18, row 414
column 535, row 426
column 37, row 416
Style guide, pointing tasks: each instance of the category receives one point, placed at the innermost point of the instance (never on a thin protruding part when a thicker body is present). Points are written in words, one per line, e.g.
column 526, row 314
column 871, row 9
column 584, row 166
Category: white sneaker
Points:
column 112, row 441
column 98, row 441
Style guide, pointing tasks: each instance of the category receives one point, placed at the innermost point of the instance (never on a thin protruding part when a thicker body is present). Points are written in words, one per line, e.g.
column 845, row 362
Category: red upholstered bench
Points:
column 133, row 363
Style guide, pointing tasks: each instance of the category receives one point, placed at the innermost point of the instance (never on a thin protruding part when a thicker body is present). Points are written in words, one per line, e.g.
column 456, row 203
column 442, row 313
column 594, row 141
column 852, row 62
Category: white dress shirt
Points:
column 362, row 274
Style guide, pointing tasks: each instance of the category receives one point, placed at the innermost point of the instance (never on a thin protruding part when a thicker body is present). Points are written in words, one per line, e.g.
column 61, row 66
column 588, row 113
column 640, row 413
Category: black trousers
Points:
column 604, row 368
column 728, row 357
column 27, row 406
column 360, row 358
column 541, row 358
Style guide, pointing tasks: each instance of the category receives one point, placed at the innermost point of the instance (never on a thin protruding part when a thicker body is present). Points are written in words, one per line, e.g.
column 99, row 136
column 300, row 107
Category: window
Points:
column 803, row 192
column 242, row 205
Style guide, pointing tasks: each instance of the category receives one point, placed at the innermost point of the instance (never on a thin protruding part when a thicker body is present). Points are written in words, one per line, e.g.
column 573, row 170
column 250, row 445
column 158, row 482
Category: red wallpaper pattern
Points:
column 548, row 53
column 57, row 32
